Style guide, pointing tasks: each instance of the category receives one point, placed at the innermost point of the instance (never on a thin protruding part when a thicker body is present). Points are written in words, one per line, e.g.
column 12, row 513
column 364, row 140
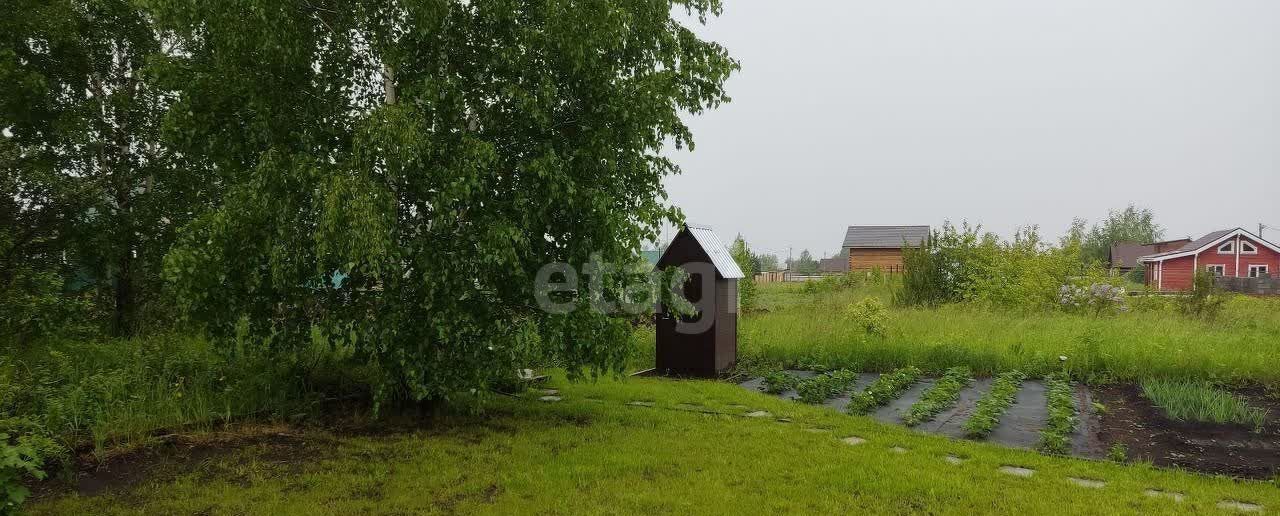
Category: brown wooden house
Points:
column 870, row 247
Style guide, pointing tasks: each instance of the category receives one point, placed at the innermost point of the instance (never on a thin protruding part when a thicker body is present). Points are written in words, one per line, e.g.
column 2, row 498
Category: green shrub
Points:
column 1205, row 301
column 992, row 406
column 1199, row 401
column 825, row 386
column 1055, row 439
column 870, row 315
column 18, row 460
column 778, row 382
column 885, row 389
column 965, row 264
column 941, row 395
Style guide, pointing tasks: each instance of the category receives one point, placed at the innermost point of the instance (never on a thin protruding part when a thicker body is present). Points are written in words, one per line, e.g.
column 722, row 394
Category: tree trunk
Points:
column 123, row 317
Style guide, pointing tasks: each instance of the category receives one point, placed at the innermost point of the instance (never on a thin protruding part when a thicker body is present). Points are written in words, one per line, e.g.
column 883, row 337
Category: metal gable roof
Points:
column 720, row 257
column 885, row 236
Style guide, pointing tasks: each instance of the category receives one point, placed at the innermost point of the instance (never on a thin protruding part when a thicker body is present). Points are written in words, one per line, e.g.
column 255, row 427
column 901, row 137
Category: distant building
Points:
column 834, row 265
column 1124, row 255
column 1232, row 253
column 869, row 247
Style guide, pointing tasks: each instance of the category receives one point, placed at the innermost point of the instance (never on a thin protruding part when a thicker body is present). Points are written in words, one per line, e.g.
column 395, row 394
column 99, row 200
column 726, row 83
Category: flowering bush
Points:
column 1097, row 298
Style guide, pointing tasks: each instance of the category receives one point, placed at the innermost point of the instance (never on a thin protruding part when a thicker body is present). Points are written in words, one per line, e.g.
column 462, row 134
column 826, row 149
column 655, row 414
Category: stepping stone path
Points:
column 1156, row 493
column 1087, row 482
column 1019, row 427
column 549, row 399
column 898, row 450
column 1017, row 471
column 1232, row 505
column 640, row 403
column 952, row 459
column 854, row 440
column 758, row 413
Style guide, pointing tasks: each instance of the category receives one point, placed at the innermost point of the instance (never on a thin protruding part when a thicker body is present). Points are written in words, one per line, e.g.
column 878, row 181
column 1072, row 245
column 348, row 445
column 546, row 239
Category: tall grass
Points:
column 1198, row 401
column 74, row 394
column 811, row 330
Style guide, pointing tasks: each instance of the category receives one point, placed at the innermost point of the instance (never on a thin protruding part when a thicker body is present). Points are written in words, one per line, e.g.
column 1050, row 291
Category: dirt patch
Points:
column 1133, row 421
column 169, row 456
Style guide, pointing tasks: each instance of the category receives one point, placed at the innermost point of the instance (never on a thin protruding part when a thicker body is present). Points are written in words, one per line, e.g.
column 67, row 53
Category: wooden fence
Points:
column 1263, row 286
column 783, row 276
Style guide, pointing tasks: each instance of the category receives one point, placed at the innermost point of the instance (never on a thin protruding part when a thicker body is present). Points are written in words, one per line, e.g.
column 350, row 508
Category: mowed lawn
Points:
column 693, row 451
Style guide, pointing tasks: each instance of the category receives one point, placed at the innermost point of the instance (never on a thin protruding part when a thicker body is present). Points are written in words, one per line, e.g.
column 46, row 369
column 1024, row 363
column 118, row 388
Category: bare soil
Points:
column 1132, row 420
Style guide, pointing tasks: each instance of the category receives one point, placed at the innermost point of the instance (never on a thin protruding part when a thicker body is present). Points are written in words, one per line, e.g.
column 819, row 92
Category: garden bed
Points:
column 1133, row 421
column 1128, row 419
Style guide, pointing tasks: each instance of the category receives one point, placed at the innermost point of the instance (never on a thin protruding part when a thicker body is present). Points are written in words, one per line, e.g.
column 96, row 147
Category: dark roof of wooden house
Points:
column 890, row 237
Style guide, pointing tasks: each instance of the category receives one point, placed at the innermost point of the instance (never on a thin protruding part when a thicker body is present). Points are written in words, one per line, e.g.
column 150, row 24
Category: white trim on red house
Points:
column 1239, row 232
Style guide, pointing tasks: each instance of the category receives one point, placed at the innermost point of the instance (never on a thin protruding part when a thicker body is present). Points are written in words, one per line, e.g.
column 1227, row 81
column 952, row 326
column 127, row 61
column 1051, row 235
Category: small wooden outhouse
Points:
column 692, row 346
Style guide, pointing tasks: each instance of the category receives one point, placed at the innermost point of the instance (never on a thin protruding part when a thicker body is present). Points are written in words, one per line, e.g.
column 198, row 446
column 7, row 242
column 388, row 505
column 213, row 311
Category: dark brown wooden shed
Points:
column 693, row 346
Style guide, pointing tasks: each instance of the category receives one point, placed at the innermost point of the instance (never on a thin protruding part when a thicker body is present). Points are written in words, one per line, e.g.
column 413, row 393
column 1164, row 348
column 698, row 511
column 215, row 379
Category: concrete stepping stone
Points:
column 1157, row 493
column 758, row 413
column 1233, row 505
column 894, row 410
column 549, row 399
column 952, row 459
column 640, row 403
column 1087, row 482
column 1021, row 424
column 548, row 392
column 898, row 450
column 854, row 440
column 1017, row 471
column 950, row 422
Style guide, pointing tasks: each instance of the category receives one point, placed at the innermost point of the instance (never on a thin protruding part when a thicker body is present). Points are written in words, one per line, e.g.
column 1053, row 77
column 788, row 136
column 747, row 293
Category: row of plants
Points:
column 885, row 389
column 1203, row 402
column 778, row 382
column 1055, row 439
column 825, row 386
column 992, row 406
column 939, row 397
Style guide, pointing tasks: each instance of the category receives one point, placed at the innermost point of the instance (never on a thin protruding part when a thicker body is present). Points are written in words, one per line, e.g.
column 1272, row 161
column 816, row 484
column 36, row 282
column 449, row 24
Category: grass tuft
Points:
column 885, row 389
column 1202, row 402
column 1055, row 439
column 943, row 394
column 992, row 406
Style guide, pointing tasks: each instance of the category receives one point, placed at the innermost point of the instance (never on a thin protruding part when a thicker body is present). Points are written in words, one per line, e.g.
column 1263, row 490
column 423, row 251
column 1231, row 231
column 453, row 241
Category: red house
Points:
column 1228, row 252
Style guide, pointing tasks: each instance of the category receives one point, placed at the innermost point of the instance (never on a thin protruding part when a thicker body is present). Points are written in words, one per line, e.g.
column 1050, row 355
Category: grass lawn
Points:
column 813, row 330
column 594, row 453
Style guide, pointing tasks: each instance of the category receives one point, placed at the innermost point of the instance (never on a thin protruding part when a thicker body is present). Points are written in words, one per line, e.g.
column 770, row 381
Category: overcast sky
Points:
column 1003, row 113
